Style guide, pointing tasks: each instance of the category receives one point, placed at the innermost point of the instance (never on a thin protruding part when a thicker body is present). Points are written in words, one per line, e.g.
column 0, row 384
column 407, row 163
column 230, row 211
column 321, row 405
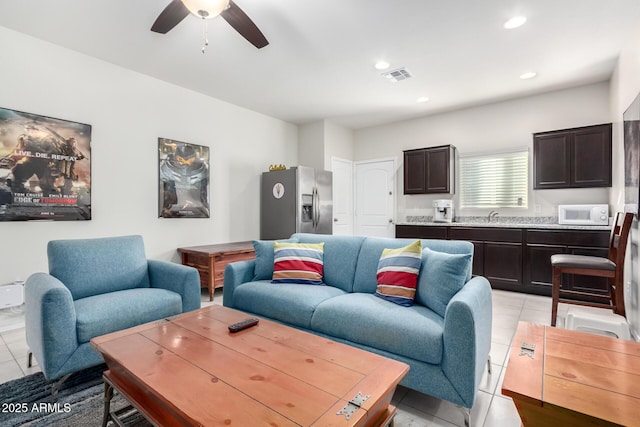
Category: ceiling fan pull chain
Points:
column 204, row 34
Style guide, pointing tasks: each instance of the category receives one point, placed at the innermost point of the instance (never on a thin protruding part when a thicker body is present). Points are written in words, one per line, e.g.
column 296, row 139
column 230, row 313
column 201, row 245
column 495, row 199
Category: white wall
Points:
column 338, row 143
column 625, row 86
column 311, row 145
column 128, row 112
column 487, row 128
column 319, row 141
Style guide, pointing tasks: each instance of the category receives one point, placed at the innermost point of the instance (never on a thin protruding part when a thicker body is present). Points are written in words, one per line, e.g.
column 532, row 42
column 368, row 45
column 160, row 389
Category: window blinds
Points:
column 495, row 180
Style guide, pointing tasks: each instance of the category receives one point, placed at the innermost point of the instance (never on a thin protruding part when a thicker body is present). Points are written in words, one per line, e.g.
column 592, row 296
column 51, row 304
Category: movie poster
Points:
column 45, row 168
column 184, row 180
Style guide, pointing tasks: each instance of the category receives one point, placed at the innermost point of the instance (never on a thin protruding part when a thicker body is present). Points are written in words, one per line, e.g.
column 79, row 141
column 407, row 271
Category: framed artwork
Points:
column 631, row 119
column 183, row 180
column 45, row 168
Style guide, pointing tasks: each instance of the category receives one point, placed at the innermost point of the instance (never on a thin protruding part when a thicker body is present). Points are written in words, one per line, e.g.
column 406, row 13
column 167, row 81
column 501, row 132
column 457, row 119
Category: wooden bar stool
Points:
column 611, row 268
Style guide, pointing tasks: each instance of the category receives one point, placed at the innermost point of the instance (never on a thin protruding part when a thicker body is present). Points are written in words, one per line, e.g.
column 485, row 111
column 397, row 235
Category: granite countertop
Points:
column 547, row 223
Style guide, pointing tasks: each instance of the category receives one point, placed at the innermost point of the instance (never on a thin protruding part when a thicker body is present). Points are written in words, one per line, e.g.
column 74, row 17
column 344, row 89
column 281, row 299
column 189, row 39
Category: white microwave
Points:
column 583, row 214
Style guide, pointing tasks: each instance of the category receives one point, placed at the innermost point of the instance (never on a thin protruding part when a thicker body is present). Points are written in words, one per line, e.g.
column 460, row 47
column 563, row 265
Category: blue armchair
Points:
column 94, row 287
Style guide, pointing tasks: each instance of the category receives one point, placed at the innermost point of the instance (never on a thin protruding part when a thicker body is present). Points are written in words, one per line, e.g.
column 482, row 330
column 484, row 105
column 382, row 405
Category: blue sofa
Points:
column 94, row 287
column 444, row 337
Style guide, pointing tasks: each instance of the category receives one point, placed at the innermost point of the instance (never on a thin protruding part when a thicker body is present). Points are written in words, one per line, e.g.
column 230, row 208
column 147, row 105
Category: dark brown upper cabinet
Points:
column 572, row 158
column 429, row 170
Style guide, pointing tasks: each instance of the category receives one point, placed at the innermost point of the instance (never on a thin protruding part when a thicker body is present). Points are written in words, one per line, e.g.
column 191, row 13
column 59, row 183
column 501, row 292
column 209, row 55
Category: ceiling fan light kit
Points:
column 177, row 10
column 206, row 9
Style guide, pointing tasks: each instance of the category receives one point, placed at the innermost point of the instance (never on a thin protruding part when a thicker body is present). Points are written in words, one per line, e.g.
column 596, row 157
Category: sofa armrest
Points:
column 50, row 322
column 235, row 274
column 181, row 279
column 467, row 337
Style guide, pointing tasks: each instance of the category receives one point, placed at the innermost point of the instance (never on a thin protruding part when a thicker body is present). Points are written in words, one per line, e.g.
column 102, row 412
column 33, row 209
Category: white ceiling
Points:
column 319, row 64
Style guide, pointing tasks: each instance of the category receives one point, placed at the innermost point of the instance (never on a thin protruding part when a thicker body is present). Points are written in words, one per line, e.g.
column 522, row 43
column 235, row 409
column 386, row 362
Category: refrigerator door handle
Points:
column 315, row 209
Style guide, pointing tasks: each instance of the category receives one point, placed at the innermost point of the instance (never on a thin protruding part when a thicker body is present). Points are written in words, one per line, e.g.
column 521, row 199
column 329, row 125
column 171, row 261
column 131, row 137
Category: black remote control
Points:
column 244, row 324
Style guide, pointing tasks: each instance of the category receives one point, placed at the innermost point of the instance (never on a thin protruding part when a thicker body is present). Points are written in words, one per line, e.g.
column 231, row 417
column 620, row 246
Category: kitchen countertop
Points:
column 497, row 224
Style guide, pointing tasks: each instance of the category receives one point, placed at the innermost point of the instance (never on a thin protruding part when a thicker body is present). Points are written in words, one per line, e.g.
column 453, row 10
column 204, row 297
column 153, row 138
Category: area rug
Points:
column 28, row 401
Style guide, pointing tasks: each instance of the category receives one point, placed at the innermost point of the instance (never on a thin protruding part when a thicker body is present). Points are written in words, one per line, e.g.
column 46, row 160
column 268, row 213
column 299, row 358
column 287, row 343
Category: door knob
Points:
column 335, row 219
column 390, row 221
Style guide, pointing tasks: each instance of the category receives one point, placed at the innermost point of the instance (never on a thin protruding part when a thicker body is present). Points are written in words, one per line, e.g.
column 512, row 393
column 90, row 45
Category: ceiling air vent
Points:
column 398, row 75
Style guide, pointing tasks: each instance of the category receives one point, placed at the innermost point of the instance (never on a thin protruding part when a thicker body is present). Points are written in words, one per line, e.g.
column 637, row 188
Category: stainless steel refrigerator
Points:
column 295, row 200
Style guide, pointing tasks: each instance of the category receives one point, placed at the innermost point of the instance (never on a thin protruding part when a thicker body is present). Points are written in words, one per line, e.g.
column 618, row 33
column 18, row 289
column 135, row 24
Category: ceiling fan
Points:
column 177, row 10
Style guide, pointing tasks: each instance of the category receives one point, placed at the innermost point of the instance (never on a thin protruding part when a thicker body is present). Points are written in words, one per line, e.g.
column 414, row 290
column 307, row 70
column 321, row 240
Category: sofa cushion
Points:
column 340, row 257
column 290, row 303
column 462, row 247
column 414, row 332
column 398, row 274
column 95, row 315
column 264, row 258
column 297, row 263
column 442, row 275
column 366, row 271
column 97, row 266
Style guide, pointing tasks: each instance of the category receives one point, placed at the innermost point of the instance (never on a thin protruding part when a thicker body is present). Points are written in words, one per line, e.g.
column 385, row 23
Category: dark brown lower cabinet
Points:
column 503, row 264
column 497, row 253
column 541, row 244
column 478, row 258
column 421, row 232
column 538, row 266
column 519, row 259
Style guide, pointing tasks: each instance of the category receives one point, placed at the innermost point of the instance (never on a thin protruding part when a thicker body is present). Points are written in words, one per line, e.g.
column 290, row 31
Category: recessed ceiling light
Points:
column 422, row 99
column 527, row 76
column 515, row 22
column 381, row 65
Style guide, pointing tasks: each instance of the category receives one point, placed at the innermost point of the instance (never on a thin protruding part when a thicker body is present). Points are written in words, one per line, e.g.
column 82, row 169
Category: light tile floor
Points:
column 414, row 409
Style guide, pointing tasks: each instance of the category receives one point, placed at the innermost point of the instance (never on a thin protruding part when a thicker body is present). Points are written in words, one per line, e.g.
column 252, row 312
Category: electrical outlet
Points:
column 538, row 208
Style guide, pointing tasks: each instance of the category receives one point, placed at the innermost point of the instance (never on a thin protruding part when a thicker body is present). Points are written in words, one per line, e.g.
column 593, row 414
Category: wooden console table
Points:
column 210, row 260
column 572, row 378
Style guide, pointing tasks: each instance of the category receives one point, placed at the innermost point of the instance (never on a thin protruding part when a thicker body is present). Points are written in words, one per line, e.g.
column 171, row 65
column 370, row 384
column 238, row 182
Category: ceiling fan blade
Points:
column 171, row 16
column 244, row 25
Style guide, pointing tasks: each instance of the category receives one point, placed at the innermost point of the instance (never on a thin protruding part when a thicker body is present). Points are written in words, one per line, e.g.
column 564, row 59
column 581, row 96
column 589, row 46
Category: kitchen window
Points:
column 497, row 180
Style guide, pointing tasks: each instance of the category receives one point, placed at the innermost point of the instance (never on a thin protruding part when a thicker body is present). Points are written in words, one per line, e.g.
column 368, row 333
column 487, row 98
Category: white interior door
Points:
column 375, row 198
column 342, row 196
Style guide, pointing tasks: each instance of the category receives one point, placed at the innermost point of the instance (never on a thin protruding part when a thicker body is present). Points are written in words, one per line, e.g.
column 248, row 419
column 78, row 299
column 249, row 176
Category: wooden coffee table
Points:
column 573, row 378
column 189, row 370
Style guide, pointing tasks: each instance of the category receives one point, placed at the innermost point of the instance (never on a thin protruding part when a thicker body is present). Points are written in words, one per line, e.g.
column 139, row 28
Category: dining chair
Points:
column 611, row 267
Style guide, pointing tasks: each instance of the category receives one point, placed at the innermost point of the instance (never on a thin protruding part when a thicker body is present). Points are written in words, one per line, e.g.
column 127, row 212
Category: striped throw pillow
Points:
column 298, row 263
column 398, row 273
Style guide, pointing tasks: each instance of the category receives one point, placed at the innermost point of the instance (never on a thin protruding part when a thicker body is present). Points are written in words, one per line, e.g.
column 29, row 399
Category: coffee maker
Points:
column 443, row 210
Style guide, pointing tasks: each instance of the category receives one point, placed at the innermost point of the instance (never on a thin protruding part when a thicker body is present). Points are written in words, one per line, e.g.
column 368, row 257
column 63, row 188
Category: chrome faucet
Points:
column 492, row 216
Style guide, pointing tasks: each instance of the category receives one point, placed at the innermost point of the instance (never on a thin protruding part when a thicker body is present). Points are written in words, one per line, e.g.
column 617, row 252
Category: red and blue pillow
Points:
column 298, row 263
column 397, row 274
